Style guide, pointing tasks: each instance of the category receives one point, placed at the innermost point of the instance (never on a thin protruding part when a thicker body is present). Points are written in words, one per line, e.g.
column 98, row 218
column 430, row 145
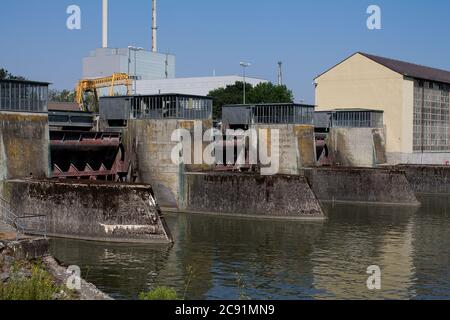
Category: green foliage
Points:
column 262, row 93
column 39, row 287
column 61, row 96
column 160, row 293
column 232, row 94
column 270, row 93
column 5, row 75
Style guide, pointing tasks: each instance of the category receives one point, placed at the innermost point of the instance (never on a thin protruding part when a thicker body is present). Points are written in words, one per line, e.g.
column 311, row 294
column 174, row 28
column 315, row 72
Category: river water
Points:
column 234, row 258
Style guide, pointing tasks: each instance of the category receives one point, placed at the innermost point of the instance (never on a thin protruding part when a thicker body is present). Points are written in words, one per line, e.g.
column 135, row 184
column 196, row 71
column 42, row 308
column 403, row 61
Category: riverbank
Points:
column 28, row 272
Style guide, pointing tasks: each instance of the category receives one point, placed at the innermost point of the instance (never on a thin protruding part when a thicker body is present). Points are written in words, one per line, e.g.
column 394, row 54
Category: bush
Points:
column 39, row 287
column 160, row 293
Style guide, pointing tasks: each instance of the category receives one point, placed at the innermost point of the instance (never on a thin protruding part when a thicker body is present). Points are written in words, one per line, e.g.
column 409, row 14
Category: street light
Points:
column 131, row 48
column 244, row 65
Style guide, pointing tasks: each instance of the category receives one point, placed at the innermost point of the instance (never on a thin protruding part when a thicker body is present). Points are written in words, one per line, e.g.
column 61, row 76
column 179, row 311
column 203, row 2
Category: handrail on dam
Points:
column 16, row 221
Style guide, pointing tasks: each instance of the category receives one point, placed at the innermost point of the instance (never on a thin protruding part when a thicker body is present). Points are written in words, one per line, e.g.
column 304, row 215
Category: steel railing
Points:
column 20, row 222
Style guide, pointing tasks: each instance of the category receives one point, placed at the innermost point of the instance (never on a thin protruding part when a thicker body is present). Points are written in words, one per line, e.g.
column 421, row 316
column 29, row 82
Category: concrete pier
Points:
column 296, row 146
column 428, row 179
column 360, row 185
column 251, row 195
column 89, row 211
column 148, row 144
column 355, row 147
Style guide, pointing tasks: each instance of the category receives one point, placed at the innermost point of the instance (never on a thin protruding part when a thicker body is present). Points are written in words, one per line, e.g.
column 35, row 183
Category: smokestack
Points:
column 105, row 24
column 154, row 27
column 280, row 73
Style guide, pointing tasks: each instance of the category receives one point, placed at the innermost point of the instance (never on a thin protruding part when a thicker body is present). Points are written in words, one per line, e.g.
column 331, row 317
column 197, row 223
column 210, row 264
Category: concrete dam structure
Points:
column 89, row 210
column 64, row 146
column 296, row 146
column 133, row 142
column 24, row 145
column 148, row 125
column 362, row 185
column 350, row 138
column 428, row 179
column 149, row 149
column 251, row 195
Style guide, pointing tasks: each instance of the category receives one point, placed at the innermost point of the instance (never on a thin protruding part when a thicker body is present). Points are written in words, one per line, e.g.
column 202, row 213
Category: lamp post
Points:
column 244, row 66
column 131, row 48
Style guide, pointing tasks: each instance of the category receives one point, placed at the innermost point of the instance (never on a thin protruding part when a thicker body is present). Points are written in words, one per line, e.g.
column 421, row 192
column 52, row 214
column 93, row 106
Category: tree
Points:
column 3, row 74
column 270, row 93
column 232, row 94
column 262, row 93
column 61, row 96
column 6, row 75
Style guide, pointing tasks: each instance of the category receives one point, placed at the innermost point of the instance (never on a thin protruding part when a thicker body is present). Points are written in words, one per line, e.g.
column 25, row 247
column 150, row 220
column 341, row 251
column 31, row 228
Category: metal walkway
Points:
column 19, row 226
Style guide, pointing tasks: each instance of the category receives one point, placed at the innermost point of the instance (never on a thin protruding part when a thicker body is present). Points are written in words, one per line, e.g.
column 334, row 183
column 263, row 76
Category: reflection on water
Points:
column 235, row 258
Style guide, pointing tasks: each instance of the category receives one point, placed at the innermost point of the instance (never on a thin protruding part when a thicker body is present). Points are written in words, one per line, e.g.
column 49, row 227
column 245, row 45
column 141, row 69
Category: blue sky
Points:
column 308, row 36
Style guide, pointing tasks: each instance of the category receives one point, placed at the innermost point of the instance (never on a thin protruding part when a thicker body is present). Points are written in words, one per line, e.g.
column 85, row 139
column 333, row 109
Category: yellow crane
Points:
column 92, row 85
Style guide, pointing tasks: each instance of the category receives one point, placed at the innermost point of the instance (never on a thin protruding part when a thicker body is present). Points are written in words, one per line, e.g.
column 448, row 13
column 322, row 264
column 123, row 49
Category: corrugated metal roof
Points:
column 411, row 70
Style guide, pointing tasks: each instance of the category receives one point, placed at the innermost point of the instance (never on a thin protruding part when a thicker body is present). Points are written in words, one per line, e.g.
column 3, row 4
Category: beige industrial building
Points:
column 414, row 99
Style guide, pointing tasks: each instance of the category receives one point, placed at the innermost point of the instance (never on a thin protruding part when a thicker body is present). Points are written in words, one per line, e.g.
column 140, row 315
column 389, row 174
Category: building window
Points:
column 431, row 117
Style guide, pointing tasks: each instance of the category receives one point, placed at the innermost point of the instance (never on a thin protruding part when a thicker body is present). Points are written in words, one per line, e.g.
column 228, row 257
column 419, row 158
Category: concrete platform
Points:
column 89, row 210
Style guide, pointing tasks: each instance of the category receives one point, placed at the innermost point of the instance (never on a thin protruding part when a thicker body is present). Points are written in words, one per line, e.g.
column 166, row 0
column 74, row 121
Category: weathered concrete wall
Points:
column 148, row 144
column 421, row 159
column 91, row 211
column 428, row 179
column 251, row 195
column 377, row 186
column 296, row 145
column 149, row 147
column 356, row 147
column 24, row 145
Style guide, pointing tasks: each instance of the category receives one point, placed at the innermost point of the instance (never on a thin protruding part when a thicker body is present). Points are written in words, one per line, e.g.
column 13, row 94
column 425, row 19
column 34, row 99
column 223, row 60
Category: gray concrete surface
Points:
column 251, row 195
column 89, row 210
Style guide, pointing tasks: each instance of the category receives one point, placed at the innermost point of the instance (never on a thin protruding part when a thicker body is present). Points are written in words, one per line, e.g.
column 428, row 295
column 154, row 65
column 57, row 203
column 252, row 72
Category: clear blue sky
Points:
column 308, row 36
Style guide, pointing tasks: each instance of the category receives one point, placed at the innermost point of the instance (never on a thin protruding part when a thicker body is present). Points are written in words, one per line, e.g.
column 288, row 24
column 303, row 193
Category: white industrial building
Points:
column 139, row 64
column 199, row 86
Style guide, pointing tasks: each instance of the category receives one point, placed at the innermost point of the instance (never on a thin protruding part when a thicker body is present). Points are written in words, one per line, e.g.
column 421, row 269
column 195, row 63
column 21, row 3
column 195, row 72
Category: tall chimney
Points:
column 105, row 24
column 154, row 27
column 280, row 73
